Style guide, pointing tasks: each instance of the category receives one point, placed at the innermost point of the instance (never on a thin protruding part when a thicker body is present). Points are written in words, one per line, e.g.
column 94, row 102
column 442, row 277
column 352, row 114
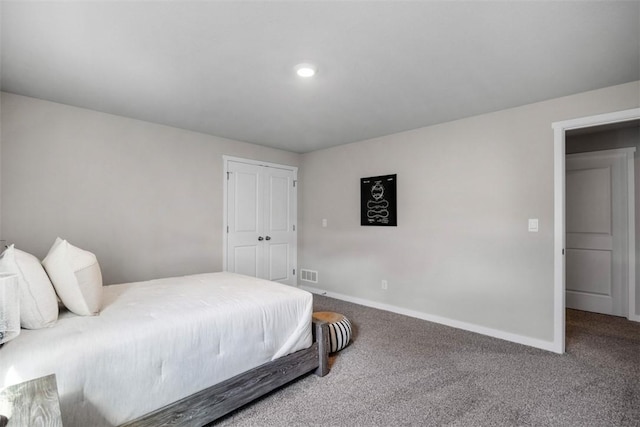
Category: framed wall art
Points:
column 378, row 201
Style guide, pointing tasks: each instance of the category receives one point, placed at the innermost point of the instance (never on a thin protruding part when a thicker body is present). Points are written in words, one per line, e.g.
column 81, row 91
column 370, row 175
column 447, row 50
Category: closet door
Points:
column 279, row 225
column 244, row 219
column 261, row 221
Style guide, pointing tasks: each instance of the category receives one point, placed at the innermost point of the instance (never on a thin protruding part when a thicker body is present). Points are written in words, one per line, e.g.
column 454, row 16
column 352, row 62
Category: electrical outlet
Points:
column 385, row 285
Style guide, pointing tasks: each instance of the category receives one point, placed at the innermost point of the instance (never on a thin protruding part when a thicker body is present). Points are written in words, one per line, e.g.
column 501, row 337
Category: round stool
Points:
column 339, row 329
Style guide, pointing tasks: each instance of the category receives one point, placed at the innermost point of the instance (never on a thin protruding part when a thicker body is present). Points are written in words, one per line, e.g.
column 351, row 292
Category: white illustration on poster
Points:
column 377, row 209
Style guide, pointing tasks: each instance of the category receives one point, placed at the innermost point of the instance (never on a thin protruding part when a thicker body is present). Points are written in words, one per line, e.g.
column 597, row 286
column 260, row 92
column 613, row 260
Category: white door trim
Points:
column 226, row 159
column 559, row 130
column 634, row 312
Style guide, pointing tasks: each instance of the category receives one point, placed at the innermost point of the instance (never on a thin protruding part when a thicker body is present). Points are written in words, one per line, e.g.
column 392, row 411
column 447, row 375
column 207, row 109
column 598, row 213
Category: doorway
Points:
column 560, row 130
column 260, row 216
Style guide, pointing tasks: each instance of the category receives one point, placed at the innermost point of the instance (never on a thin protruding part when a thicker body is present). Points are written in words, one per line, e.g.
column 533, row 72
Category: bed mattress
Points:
column 158, row 341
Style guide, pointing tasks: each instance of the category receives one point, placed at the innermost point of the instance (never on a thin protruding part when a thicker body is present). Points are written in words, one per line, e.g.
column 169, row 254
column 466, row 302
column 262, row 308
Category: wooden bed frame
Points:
column 214, row 402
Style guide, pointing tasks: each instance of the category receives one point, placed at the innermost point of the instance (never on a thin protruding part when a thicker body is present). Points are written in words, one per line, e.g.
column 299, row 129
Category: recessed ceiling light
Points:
column 306, row 70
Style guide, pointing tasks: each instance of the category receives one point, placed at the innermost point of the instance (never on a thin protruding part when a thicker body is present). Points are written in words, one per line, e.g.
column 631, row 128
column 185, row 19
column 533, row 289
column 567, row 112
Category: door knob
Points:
column 268, row 238
column 260, row 239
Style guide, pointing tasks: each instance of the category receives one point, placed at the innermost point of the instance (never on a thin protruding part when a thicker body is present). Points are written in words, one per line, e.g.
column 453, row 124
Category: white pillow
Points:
column 76, row 275
column 38, row 301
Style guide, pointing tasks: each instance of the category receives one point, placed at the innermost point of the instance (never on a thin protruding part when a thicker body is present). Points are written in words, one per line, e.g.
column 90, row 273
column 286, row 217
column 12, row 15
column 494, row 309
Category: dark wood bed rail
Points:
column 214, row 402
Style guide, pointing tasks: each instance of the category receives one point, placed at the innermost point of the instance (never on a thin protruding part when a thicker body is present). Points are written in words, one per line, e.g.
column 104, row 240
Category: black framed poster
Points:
column 378, row 201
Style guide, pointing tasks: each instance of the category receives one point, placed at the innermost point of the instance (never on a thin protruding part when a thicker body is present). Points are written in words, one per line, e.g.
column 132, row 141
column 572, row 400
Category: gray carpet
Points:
column 404, row 371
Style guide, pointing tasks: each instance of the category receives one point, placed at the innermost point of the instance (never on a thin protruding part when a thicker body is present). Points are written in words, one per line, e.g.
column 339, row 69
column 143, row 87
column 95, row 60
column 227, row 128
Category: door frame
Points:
column 225, row 223
column 559, row 209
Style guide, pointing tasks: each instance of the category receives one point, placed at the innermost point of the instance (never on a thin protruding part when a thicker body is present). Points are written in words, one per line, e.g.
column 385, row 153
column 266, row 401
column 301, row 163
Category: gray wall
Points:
column 610, row 139
column 465, row 191
column 1, row 135
column 145, row 198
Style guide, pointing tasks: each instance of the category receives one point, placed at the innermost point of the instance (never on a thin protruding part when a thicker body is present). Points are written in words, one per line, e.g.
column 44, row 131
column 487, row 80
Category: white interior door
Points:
column 279, row 225
column 597, row 232
column 261, row 221
column 244, row 219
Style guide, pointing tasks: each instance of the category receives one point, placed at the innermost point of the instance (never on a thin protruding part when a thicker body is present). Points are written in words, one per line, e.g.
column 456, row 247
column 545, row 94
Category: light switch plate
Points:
column 533, row 225
column 324, row 222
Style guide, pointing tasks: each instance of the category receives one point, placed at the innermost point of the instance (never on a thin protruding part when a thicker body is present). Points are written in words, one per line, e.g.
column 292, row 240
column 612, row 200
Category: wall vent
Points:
column 309, row 276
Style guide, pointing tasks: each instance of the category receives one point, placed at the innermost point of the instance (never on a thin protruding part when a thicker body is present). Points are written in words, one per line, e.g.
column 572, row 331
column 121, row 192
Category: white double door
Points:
column 261, row 220
column 597, row 218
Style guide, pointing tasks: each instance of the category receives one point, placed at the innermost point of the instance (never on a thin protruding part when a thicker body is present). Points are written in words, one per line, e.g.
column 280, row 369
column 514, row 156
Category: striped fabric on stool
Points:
column 339, row 329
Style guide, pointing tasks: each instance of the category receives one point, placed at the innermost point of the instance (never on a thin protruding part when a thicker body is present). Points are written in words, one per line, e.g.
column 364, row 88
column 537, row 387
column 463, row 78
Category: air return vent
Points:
column 309, row 276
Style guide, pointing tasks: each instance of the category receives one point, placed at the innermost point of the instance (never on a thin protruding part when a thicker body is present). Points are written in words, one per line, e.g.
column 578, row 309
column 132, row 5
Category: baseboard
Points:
column 495, row 333
column 632, row 317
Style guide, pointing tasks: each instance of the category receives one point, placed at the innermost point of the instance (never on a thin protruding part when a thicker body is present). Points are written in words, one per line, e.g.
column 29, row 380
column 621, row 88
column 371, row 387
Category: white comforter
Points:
column 158, row 341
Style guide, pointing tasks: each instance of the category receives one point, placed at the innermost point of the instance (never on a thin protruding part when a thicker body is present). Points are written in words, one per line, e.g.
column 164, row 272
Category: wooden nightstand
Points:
column 31, row 403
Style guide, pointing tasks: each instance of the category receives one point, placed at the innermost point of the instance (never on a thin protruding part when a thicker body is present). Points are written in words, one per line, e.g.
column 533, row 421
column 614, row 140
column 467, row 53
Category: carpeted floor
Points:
column 403, row 371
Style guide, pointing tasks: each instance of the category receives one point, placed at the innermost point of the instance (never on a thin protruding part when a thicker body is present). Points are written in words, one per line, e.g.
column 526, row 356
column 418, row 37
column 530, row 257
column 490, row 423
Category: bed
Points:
column 175, row 351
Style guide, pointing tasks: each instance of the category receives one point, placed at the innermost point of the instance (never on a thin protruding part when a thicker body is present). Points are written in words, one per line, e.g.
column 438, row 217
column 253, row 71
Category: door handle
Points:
column 268, row 238
column 260, row 239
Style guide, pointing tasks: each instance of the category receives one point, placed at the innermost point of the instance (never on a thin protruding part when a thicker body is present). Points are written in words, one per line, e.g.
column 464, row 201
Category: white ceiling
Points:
column 226, row 68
